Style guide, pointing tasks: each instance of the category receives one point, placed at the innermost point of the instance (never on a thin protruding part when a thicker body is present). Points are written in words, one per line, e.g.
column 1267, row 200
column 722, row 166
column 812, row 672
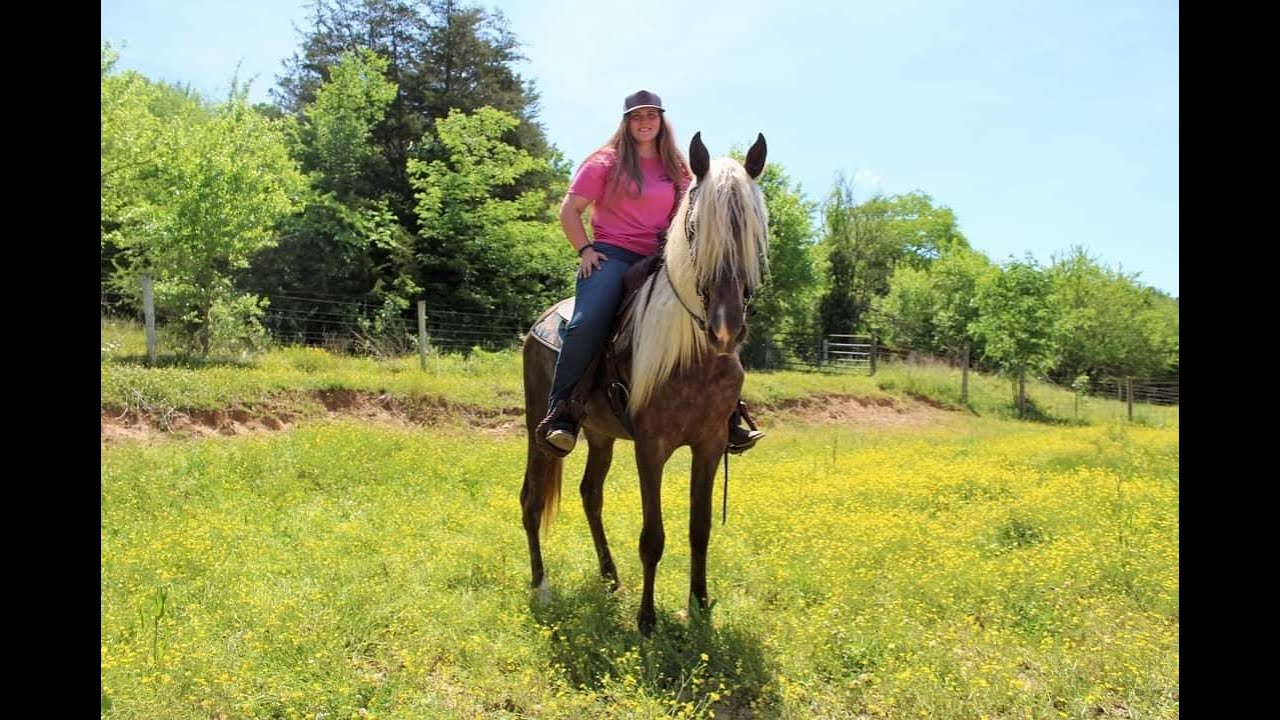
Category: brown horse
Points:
column 688, row 320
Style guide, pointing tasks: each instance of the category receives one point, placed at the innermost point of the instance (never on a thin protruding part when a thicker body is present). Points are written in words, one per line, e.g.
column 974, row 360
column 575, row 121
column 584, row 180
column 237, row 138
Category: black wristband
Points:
column 584, row 248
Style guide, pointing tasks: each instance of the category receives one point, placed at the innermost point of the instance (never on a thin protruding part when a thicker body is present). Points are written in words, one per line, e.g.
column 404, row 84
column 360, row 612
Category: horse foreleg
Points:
column 599, row 458
column 649, row 462
column 702, row 482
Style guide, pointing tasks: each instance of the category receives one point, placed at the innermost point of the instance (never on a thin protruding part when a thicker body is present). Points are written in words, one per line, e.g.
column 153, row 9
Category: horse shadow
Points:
column 592, row 638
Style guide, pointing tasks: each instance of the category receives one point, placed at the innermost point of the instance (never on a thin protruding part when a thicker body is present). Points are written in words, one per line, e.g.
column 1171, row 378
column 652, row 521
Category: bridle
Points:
column 690, row 233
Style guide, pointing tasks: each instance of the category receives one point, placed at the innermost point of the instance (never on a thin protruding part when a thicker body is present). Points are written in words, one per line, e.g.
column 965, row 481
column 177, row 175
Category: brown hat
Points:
column 641, row 99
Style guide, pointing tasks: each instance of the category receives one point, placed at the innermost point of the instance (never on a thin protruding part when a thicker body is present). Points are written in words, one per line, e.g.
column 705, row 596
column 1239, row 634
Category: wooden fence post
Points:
column 149, row 312
column 825, row 342
column 1128, row 393
column 875, row 344
column 964, row 377
column 422, row 333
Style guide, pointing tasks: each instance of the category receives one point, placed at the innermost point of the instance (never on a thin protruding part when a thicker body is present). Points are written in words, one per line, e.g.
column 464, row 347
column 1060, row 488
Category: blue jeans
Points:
column 597, row 300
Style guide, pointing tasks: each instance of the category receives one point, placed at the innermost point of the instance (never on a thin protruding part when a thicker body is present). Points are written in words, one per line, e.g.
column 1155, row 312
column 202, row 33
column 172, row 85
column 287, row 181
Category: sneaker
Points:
column 562, row 436
column 741, row 439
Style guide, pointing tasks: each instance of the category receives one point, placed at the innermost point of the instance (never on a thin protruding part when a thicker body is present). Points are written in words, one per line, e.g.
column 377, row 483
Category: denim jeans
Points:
column 597, row 300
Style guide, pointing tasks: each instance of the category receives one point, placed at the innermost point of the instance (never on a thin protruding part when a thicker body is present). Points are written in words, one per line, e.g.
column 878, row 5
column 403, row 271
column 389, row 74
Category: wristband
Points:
column 584, row 248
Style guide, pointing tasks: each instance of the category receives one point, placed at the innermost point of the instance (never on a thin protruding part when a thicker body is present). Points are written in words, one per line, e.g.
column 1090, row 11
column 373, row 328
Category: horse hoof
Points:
column 541, row 594
column 646, row 625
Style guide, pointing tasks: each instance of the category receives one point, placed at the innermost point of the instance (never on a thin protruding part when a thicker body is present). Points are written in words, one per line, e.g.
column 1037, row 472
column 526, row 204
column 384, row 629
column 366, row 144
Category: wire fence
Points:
column 361, row 327
column 366, row 327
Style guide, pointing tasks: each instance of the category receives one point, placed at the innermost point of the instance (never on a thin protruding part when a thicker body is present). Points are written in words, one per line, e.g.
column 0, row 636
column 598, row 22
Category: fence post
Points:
column 964, row 377
column 422, row 333
column 149, row 312
column 875, row 344
column 824, row 350
column 1128, row 393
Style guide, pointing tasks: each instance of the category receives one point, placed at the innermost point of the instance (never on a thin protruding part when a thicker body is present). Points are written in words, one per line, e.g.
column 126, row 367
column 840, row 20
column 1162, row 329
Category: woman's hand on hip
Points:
column 590, row 262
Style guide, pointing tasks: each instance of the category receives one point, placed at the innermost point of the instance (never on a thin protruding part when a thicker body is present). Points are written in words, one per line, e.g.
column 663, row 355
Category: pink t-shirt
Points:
column 620, row 218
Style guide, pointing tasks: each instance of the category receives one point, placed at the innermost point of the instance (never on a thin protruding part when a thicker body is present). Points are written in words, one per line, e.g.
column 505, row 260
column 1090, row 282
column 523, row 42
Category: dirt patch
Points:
column 285, row 411
column 857, row 411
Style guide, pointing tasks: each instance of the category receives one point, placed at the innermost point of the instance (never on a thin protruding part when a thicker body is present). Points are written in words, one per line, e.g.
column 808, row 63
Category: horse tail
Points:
column 542, row 474
column 550, row 489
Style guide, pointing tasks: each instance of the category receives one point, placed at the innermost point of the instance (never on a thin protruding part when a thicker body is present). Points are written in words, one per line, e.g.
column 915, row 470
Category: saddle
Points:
column 610, row 368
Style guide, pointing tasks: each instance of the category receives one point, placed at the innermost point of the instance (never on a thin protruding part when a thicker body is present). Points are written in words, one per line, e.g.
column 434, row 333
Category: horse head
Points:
column 726, row 230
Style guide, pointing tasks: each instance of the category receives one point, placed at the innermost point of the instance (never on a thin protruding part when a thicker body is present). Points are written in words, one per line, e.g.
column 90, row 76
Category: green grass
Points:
column 492, row 381
column 976, row 569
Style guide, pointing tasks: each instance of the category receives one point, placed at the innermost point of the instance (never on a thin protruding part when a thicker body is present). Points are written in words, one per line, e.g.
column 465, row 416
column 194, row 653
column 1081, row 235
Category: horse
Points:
column 687, row 322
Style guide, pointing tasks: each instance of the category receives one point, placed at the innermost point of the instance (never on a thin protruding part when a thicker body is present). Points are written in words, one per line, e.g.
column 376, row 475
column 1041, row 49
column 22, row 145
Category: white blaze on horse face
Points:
column 723, row 335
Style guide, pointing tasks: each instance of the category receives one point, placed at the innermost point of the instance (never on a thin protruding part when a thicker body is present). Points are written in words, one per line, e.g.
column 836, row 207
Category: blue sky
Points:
column 1042, row 124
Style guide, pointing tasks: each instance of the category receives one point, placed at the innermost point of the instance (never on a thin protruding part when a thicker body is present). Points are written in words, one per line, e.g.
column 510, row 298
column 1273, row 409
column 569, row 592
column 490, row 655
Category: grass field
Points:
column 965, row 568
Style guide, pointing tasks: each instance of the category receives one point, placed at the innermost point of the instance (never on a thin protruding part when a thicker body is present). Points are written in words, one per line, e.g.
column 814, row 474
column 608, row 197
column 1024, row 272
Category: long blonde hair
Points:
column 620, row 148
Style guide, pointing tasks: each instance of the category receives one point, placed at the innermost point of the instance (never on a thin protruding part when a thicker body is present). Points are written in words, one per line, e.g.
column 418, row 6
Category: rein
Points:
column 724, row 509
column 702, row 324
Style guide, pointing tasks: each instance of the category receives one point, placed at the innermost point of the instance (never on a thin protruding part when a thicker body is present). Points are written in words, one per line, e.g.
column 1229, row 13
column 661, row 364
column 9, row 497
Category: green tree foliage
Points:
column 441, row 55
column 922, row 231
column 933, row 309
column 346, row 243
column 1017, row 321
column 865, row 243
column 781, row 313
column 139, row 121
column 204, row 196
column 482, row 253
column 1112, row 326
column 846, row 236
column 335, row 141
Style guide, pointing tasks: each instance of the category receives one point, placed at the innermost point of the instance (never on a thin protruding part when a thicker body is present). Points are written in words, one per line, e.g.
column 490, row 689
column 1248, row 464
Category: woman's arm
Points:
column 571, row 209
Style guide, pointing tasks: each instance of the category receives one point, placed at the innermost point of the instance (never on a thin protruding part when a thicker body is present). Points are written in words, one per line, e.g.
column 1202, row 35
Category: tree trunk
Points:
column 1022, row 392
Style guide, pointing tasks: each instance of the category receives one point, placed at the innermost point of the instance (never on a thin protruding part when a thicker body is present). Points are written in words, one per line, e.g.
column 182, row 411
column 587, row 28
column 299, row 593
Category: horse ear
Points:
column 699, row 158
column 755, row 157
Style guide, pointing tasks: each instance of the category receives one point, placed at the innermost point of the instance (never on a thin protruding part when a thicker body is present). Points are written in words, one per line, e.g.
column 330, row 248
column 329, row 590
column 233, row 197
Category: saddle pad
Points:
column 548, row 329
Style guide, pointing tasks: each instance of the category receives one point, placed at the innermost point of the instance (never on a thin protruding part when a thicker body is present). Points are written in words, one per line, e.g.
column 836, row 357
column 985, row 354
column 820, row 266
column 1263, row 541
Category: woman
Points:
column 634, row 181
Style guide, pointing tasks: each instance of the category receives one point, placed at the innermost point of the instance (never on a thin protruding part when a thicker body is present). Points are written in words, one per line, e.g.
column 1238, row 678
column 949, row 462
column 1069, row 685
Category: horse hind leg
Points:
column 538, row 498
column 540, row 493
column 599, row 458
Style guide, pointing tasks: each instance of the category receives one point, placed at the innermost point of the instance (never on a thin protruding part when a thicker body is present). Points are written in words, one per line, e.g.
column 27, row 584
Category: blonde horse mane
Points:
column 664, row 336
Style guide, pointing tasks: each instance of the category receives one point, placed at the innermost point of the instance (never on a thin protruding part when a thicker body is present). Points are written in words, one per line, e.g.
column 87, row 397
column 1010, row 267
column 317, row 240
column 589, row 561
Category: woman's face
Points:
column 644, row 125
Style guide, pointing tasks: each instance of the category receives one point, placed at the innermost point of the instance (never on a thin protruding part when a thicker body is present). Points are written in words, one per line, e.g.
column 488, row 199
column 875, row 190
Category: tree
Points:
column 1111, row 325
column 923, row 232
column 866, row 242
column 214, row 188
column 482, row 253
column 847, row 239
column 346, row 242
column 1017, row 321
column 933, row 309
column 441, row 56
column 139, row 120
